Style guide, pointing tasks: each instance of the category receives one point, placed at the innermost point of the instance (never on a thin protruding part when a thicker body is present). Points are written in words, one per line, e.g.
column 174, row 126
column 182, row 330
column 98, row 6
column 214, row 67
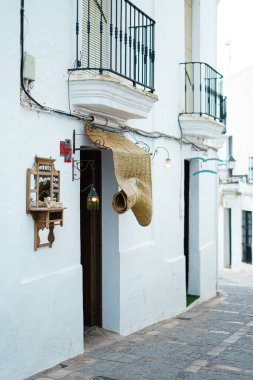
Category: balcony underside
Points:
column 202, row 126
column 109, row 95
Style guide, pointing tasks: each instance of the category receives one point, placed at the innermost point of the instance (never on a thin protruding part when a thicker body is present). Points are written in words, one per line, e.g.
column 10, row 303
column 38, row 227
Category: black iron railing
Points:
column 204, row 91
column 117, row 37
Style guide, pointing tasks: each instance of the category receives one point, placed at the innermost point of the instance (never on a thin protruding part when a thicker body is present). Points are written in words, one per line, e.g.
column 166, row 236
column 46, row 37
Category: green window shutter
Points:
column 94, row 40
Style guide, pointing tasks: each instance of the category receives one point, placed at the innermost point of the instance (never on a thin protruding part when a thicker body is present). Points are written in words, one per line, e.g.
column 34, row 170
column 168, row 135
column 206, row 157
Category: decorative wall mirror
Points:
column 43, row 198
column 43, row 181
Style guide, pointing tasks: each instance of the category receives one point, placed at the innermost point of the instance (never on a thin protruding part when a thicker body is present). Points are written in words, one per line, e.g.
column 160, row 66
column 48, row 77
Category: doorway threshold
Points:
column 190, row 298
column 95, row 337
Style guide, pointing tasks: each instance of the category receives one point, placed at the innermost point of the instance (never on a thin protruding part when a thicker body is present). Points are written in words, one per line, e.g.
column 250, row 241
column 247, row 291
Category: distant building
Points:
column 236, row 187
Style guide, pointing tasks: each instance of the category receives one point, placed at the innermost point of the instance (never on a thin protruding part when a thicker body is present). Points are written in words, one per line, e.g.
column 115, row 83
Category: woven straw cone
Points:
column 133, row 174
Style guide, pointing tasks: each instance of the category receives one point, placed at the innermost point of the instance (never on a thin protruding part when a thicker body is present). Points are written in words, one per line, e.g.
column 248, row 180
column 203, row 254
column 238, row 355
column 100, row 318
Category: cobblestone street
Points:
column 212, row 340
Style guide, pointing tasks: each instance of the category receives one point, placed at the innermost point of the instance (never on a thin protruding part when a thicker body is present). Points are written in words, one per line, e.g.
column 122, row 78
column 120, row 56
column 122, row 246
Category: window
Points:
column 247, row 237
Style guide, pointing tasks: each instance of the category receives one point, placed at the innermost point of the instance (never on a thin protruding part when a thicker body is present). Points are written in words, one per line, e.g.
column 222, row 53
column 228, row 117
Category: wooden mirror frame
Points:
column 43, row 216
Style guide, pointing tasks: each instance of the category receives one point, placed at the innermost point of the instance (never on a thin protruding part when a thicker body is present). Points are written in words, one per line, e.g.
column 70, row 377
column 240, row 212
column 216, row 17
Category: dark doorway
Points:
column 227, row 238
column 186, row 218
column 230, row 236
column 91, row 240
column 247, row 237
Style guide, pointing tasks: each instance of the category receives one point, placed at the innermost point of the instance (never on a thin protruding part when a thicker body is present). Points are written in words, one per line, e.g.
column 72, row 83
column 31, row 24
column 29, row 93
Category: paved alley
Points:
column 213, row 340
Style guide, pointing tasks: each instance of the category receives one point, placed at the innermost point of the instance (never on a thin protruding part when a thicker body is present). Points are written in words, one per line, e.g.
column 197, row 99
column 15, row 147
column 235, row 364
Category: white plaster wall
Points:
column 40, row 293
column 203, row 233
column 208, row 235
column 152, row 260
column 110, row 248
column 204, row 31
column 143, row 268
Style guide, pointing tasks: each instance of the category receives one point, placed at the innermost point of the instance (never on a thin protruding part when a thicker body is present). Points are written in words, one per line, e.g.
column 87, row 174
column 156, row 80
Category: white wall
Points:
column 208, row 235
column 153, row 259
column 40, row 293
column 110, row 248
column 143, row 268
column 203, row 233
column 204, row 30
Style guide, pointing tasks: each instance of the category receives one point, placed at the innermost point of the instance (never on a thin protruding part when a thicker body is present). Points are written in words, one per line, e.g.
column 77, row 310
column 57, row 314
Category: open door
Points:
column 227, row 238
column 91, row 239
column 186, row 218
column 191, row 254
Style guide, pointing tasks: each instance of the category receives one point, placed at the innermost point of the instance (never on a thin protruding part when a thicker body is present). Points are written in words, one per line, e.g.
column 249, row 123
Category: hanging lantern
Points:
column 92, row 200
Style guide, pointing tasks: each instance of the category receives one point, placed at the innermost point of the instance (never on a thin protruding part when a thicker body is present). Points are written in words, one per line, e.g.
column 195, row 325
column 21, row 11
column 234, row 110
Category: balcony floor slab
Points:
column 110, row 96
column 203, row 126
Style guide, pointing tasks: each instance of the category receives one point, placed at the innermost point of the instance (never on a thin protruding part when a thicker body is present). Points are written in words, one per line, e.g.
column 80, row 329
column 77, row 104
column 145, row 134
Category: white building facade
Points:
column 235, row 218
column 106, row 269
column 236, row 195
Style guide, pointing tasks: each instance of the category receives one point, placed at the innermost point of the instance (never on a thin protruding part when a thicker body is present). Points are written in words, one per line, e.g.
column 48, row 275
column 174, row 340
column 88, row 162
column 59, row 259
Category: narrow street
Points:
column 213, row 340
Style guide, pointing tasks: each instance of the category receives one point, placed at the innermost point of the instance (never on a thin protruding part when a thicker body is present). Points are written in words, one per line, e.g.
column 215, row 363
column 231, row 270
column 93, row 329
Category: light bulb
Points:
column 167, row 163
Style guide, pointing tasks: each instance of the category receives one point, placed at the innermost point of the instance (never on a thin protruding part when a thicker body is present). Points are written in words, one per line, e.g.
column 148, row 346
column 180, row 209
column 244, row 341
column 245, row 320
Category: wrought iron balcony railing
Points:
column 204, row 91
column 119, row 38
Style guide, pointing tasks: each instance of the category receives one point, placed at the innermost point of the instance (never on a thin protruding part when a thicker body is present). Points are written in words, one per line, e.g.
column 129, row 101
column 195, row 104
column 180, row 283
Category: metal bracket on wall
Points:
column 83, row 147
column 79, row 166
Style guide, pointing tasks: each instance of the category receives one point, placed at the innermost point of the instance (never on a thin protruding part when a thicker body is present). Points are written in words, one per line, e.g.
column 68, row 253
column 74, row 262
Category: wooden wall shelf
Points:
column 46, row 218
column 43, row 181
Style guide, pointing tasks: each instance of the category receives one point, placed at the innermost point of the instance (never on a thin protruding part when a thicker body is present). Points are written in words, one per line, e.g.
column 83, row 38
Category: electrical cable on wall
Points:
column 35, row 105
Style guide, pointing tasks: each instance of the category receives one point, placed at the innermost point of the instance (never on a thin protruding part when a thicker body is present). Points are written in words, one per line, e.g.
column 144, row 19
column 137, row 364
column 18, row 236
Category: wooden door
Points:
column 91, row 241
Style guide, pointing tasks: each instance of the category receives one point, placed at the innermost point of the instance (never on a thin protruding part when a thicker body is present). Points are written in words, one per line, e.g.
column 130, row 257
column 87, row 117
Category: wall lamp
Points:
column 146, row 148
column 231, row 162
column 167, row 163
column 80, row 166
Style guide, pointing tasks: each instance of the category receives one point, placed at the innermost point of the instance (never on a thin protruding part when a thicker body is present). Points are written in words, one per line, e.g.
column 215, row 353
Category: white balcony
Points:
column 114, row 76
column 201, row 126
column 204, row 114
column 109, row 95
